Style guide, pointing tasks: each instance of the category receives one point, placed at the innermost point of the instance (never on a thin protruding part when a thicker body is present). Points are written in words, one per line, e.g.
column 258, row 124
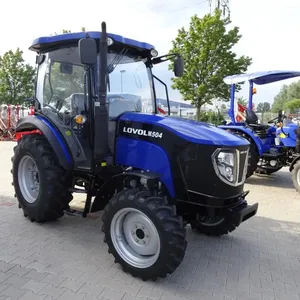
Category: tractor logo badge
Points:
column 143, row 132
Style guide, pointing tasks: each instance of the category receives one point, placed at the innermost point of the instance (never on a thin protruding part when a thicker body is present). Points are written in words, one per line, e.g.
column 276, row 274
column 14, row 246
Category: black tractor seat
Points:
column 259, row 127
column 252, row 121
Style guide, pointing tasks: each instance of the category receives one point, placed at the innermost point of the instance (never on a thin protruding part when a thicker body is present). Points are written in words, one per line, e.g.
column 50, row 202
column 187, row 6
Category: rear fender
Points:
column 31, row 124
column 252, row 136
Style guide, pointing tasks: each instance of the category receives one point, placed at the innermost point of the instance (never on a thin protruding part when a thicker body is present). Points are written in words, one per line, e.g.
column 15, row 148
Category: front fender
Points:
column 117, row 181
column 247, row 131
column 293, row 163
column 53, row 136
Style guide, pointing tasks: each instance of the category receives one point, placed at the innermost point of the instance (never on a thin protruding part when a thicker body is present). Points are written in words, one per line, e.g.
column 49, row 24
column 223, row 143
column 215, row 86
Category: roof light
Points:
column 109, row 41
column 153, row 53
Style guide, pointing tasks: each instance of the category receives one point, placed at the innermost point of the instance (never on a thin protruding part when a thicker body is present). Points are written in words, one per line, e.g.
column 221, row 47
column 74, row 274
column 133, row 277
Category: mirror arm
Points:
column 163, row 58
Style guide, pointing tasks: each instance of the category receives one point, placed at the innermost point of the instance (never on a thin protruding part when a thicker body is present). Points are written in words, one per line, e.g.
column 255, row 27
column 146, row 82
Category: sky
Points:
column 270, row 28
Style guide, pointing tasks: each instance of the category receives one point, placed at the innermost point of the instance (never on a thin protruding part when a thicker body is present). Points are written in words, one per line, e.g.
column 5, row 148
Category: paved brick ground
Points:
column 68, row 260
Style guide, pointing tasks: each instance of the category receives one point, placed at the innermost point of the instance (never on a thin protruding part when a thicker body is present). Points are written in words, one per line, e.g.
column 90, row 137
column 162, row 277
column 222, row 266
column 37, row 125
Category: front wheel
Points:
column 296, row 175
column 144, row 234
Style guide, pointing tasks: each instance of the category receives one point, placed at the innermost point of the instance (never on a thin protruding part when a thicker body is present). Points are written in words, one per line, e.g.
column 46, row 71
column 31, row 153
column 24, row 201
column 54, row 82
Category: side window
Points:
column 61, row 81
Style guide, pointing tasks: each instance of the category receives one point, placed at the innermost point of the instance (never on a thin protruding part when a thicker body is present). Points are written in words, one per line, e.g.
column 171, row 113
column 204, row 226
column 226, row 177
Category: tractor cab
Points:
column 68, row 83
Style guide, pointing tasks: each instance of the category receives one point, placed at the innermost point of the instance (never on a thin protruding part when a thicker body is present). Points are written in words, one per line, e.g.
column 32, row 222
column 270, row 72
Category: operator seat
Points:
column 115, row 109
column 252, row 121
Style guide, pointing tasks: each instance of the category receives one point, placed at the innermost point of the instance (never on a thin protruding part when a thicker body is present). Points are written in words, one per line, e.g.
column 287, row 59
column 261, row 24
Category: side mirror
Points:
column 87, row 51
column 178, row 66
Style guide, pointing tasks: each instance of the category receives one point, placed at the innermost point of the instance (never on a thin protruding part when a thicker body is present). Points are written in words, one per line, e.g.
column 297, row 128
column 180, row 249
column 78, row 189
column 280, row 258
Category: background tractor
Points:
column 272, row 145
column 151, row 174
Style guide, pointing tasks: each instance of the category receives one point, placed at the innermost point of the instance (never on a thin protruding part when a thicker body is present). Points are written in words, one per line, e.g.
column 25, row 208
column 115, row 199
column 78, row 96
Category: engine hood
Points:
column 193, row 131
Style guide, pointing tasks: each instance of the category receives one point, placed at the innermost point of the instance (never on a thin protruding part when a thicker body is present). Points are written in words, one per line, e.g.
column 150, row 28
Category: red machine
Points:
column 9, row 117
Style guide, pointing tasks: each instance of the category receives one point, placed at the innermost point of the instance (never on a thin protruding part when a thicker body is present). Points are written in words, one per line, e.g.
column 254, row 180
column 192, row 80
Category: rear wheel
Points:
column 41, row 185
column 253, row 159
column 296, row 175
column 266, row 171
column 144, row 234
column 213, row 227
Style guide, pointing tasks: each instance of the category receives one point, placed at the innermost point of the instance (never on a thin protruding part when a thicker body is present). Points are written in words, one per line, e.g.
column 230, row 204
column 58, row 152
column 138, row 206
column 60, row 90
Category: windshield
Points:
column 62, row 82
column 129, row 84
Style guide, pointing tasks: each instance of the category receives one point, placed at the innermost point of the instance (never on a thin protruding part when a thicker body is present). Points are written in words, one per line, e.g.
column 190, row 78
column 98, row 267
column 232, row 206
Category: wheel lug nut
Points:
column 137, row 240
column 143, row 227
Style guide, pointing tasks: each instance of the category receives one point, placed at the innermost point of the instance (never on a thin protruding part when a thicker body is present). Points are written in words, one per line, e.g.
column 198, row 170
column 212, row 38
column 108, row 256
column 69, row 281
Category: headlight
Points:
column 228, row 167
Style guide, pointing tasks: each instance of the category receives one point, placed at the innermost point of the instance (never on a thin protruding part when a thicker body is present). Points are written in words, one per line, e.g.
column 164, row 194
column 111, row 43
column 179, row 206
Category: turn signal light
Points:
column 80, row 119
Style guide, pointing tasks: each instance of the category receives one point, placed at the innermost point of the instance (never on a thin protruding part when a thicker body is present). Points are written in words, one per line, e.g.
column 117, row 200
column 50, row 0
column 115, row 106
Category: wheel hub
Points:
column 135, row 237
column 28, row 177
column 140, row 234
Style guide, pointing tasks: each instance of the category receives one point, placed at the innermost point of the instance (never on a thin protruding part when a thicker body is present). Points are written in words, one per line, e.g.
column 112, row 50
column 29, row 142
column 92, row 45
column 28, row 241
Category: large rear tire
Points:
column 41, row 184
column 253, row 159
column 144, row 234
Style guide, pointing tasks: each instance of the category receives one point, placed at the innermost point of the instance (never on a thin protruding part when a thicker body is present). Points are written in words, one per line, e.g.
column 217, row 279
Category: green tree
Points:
column 286, row 94
column 206, row 48
column 292, row 105
column 263, row 107
column 16, row 78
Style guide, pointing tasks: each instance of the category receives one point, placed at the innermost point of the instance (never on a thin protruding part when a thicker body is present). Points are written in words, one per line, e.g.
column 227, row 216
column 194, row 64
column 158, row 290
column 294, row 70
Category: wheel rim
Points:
column 135, row 238
column 28, row 178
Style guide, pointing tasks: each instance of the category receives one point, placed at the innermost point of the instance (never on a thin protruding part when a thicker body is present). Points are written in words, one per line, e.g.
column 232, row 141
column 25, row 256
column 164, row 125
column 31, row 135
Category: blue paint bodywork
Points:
column 287, row 135
column 145, row 156
column 76, row 36
column 190, row 130
column 59, row 138
column 260, row 78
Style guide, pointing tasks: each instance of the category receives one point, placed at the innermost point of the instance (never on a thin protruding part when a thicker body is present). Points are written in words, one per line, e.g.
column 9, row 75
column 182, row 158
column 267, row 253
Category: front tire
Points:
column 296, row 175
column 144, row 234
column 41, row 185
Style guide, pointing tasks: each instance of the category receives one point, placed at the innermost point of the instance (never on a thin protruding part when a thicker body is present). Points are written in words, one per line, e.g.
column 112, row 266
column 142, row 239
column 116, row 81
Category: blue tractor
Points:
column 151, row 174
column 272, row 145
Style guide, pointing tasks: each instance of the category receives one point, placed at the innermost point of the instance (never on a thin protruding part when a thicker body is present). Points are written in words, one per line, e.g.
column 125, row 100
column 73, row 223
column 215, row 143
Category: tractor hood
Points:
column 193, row 131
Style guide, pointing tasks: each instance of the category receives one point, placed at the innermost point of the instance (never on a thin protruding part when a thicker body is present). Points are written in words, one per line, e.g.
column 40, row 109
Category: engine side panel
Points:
column 188, row 165
column 145, row 156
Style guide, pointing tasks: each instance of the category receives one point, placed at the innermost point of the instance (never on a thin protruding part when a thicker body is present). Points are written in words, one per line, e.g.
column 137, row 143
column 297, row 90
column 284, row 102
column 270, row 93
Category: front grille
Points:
column 242, row 157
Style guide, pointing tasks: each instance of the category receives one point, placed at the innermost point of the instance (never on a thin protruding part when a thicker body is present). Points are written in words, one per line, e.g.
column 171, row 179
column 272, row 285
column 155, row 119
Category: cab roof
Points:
column 46, row 43
column 260, row 78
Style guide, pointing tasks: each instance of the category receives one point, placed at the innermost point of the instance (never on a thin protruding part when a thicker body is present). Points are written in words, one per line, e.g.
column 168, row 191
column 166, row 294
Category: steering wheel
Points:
column 273, row 120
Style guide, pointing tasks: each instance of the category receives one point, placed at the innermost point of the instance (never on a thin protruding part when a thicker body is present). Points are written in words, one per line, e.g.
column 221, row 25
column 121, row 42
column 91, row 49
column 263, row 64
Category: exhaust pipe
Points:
column 101, row 112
